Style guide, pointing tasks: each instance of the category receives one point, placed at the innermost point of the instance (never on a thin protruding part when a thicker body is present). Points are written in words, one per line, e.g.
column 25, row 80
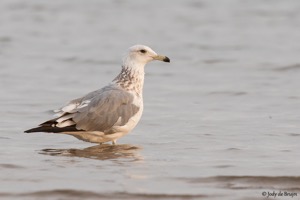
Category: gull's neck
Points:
column 131, row 78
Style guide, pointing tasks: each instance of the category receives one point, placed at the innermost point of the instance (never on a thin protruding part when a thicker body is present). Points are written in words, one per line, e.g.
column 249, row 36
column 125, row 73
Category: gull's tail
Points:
column 49, row 129
column 63, row 123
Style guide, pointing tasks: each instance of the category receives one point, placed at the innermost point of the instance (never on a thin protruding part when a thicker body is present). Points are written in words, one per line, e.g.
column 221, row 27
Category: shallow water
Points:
column 221, row 121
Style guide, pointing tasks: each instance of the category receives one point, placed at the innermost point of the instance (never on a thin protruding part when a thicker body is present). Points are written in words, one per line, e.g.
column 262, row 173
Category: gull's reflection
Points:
column 99, row 152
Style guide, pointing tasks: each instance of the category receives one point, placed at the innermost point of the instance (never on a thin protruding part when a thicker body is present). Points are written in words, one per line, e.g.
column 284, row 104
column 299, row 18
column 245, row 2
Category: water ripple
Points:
column 77, row 194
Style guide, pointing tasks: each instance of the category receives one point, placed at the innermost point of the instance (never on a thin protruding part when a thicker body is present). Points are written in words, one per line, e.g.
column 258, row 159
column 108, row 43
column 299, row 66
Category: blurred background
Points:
column 221, row 121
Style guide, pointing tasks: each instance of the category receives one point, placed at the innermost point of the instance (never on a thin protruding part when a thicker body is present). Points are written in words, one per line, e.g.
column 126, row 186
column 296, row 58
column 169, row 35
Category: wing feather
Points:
column 100, row 110
column 105, row 110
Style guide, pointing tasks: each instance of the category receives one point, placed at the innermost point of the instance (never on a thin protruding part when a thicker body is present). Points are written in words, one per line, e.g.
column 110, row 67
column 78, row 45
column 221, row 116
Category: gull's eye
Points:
column 143, row 51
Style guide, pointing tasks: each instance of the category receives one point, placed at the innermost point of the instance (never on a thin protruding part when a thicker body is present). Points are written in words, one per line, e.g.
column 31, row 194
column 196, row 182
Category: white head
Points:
column 138, row 55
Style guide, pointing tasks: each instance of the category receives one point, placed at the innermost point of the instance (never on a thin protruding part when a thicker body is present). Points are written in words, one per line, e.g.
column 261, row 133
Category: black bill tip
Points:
column 166, row 59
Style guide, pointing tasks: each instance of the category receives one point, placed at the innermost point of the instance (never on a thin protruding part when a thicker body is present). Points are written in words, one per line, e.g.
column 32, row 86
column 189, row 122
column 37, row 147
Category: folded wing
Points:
column 100, row 110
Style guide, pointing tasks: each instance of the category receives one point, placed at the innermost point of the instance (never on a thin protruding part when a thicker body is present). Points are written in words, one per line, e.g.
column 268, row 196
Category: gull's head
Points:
column 141, row 55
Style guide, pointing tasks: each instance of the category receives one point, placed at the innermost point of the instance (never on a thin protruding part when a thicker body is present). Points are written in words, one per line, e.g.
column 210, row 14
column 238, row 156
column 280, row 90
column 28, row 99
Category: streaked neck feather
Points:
column 131, row 79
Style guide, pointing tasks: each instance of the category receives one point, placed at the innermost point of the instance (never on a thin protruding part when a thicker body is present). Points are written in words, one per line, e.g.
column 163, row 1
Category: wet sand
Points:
column 220, row 122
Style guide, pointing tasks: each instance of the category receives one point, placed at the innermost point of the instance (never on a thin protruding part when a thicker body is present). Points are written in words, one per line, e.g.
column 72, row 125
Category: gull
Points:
column 111, row 112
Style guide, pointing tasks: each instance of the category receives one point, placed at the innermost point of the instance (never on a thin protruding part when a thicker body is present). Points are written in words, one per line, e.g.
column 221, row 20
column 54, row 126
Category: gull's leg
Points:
column 114, row 142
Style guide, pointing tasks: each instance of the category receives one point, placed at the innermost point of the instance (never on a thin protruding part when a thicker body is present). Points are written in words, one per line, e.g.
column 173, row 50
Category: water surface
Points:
column 221, row 121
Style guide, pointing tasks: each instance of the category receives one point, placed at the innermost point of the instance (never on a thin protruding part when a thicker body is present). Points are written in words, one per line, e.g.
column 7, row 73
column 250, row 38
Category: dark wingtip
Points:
column 30, row 130
column 50, row 129
column 38, row 129
column 166, row 59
